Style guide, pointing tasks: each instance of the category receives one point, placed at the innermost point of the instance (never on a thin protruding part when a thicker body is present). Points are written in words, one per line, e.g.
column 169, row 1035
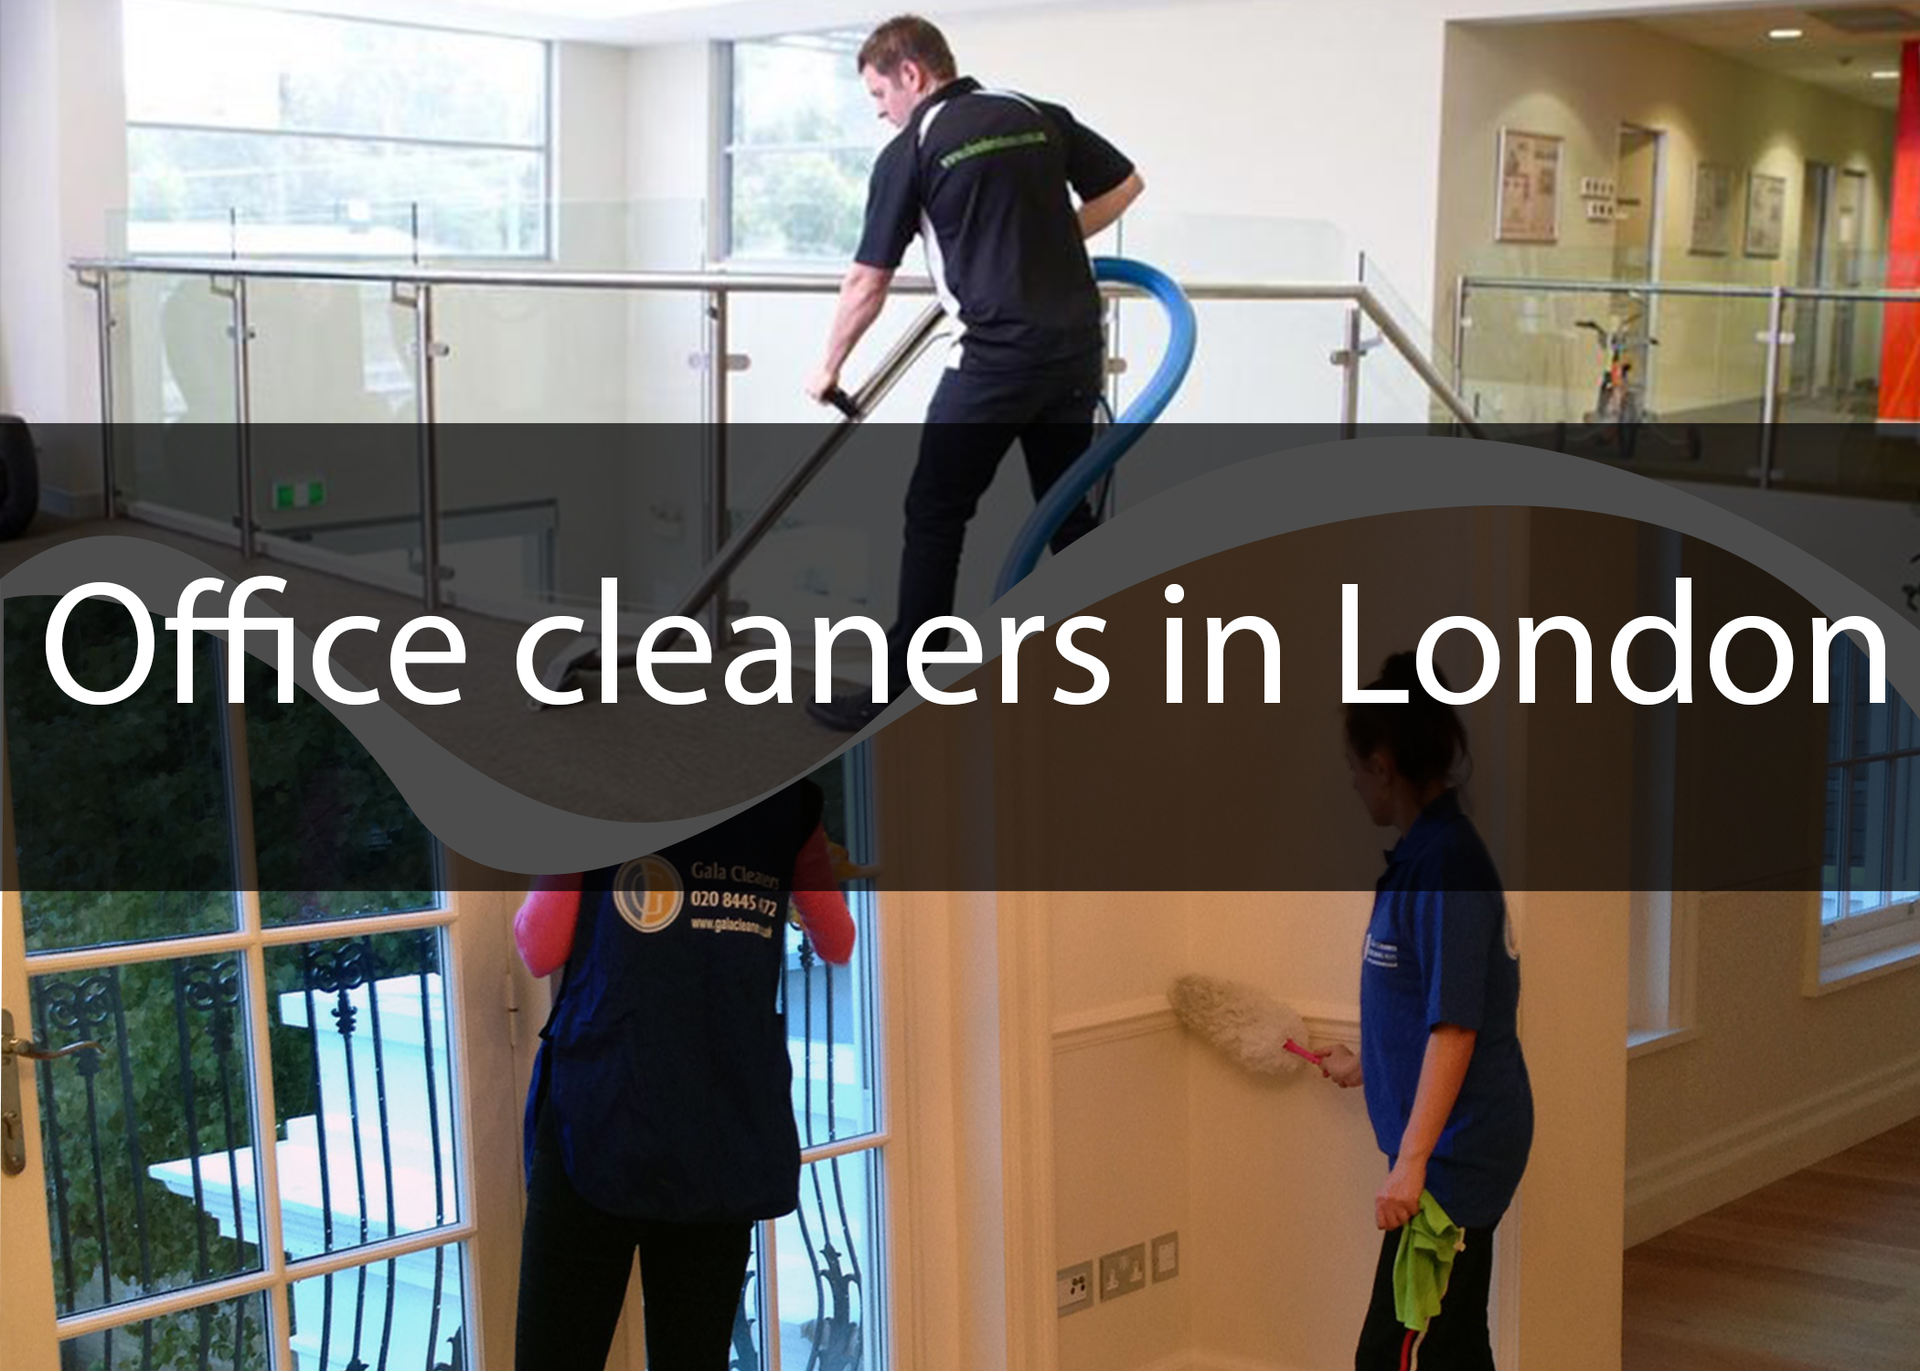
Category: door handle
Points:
column 13, row 1137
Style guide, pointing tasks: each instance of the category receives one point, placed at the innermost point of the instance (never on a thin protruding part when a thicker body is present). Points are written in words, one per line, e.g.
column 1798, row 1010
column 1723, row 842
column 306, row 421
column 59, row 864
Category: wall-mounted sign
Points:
column 1766, row 214
column 1712, row 210
column 1527, row 200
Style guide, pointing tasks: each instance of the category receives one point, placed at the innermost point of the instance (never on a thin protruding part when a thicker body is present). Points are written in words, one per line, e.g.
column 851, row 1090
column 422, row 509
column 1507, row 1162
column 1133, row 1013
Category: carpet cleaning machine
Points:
column 1086, row 476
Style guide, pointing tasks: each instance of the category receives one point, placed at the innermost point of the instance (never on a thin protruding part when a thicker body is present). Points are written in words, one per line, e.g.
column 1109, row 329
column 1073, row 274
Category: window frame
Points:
column 721, row 245
column 544, row 149
column 876, row 1142
column 1662, row 980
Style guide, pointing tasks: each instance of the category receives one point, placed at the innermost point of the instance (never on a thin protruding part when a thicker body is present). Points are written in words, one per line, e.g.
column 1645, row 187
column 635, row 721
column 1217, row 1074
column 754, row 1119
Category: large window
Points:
column 800, row 141
column 257, row 1154
column 265, row 132
column 819, row 1275
column 1871, row 867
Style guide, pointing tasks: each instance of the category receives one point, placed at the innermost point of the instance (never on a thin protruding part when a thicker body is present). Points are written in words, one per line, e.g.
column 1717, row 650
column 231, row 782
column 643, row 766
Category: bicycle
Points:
column 1619, row 412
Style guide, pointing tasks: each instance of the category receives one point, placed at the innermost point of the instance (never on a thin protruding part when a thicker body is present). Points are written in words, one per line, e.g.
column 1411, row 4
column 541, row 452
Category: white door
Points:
column 335, row 1013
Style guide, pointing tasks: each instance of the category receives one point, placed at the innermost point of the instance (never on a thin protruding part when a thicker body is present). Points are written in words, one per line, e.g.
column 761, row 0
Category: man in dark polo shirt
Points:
column 982, row 177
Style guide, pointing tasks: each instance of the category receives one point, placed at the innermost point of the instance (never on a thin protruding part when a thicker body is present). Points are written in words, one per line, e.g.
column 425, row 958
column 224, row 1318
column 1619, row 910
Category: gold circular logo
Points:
column 648, row 892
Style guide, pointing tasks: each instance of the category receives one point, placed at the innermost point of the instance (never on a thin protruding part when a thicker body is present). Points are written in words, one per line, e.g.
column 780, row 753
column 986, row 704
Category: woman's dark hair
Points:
column 1424, row 735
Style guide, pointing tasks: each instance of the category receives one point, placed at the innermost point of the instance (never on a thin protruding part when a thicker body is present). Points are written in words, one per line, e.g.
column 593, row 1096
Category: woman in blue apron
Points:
column 660, row 1121
column 1440, row 1061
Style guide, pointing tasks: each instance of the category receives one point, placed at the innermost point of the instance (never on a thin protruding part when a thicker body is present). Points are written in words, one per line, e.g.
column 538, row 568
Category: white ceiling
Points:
column 625, row 21
column 1826, row 56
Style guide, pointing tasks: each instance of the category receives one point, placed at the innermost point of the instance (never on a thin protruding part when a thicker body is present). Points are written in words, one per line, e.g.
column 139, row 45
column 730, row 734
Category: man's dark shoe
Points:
column 845, row 713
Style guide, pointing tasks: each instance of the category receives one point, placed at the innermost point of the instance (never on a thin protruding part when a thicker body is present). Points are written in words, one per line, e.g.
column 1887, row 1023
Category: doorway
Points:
column 1639, row 159
column 1832, row 211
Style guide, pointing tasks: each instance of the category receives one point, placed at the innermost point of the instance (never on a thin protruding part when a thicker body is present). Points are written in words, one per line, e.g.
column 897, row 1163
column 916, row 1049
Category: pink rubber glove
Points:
column 823, row 909
column 543, row 929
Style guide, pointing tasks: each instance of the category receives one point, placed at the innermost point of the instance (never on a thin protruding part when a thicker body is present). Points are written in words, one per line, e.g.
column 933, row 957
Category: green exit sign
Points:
column 302, row 492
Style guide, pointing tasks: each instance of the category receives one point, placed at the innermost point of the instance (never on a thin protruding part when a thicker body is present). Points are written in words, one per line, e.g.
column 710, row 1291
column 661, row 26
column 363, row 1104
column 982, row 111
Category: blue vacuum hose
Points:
column 1080, row 478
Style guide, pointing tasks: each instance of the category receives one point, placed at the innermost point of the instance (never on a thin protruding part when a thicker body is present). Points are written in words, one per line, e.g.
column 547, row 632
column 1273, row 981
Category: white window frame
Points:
column 1664, row 948
column 877, row 1295
column 546, row 252
column 720, row 245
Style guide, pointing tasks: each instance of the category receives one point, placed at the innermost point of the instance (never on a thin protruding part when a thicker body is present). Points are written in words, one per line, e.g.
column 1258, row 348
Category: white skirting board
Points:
column 1718, row 1169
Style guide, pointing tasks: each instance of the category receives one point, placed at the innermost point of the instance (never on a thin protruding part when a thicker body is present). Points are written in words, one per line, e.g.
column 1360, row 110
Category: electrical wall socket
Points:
column 1123, row 1272
column 1073, row 1288
column 1166, row 1257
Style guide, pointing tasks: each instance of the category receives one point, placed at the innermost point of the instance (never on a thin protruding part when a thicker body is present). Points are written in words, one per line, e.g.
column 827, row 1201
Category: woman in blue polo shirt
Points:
column 1440, row 1061
column 661, row 1118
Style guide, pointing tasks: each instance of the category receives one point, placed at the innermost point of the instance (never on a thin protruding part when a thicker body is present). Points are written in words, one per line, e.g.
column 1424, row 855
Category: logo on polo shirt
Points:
column 1386, row 955
column 649, row 893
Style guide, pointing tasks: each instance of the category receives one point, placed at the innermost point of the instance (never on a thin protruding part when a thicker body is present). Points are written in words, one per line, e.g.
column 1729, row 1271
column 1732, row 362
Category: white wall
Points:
column 1582, row 81
column 62, row 172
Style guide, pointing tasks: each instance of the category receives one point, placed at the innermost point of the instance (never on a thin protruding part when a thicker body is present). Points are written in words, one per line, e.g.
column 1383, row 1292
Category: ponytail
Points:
column 1424, row 736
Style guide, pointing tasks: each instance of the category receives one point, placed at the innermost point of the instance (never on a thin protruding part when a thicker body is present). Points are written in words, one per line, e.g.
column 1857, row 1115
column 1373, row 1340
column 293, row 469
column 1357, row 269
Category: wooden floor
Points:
column 1819, row 1271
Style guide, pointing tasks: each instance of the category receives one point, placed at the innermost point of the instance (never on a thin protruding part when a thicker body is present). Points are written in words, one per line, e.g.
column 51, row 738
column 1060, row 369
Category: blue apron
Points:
column 665, row 1059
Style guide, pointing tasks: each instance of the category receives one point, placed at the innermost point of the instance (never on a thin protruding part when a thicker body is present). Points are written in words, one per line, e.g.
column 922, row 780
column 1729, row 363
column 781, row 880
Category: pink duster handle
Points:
column 1302, row 1052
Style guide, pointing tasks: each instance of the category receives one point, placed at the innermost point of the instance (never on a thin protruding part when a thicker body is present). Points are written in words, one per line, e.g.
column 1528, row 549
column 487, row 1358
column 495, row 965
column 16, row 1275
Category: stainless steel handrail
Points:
column 1577, row 286
column 717, row 288
column 723, row 283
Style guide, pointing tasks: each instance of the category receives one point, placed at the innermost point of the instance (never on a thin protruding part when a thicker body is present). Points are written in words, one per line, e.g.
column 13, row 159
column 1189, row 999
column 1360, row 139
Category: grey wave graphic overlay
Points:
column 1251, row 501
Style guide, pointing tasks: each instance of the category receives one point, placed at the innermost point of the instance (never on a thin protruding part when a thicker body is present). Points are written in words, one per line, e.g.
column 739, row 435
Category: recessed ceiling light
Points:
column 1785, row 35
column 1885, row 75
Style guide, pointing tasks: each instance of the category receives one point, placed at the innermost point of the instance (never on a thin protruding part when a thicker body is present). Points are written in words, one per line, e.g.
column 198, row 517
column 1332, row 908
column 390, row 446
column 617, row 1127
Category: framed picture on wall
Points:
column 1527, row 198
column 1712, row 210
column 1766, row 214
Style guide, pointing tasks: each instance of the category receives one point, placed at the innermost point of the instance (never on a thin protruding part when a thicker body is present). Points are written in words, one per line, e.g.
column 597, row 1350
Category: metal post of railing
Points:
column 240, row 329
column 1422, row 365
column 1348, row 360
column 1769, row 398
column 100, row 281
column 713, row 578
column 1116, row 363
column 427, row 351
column 717, row 362
column 1459, row 371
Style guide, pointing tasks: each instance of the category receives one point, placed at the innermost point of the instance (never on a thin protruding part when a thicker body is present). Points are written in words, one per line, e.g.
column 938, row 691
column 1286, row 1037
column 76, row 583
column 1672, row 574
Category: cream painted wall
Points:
column 1775, row 1080
column 1122, row 1176
column 1272, row 1184
column 1284, row 1243
column 1582, row 81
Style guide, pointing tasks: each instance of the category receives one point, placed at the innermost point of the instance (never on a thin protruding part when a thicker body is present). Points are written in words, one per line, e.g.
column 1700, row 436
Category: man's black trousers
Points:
column 974, row 418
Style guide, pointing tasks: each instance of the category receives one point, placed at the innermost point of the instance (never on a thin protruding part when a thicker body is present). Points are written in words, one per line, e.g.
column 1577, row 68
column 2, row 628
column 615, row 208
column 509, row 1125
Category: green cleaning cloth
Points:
column 1422, row 1267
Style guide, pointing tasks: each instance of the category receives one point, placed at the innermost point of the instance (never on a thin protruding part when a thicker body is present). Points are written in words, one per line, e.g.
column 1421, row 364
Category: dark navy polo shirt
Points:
column 982, row 177
column 1440, row 950
column 665, row 1061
